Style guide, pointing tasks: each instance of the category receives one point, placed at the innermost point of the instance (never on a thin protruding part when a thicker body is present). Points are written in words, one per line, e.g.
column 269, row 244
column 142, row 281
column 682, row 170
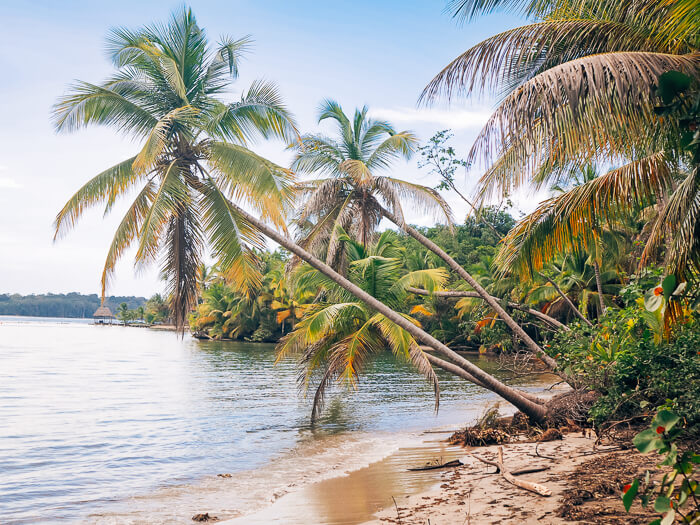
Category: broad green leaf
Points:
column 628, row 497
column 671, row 84
column 647, row 441
column 669, row 285
column 662, row 504
column 666, row 419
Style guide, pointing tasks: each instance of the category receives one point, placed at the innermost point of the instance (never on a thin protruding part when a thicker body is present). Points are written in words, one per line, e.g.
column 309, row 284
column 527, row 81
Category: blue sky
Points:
column 358, row 52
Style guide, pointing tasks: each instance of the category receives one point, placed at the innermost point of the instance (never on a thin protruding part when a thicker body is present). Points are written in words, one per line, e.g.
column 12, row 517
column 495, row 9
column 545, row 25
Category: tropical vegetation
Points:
column 599, row 105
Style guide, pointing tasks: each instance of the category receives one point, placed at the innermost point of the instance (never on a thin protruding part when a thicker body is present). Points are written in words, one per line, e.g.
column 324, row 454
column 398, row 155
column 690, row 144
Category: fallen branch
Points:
column 510, row 476
column 529, row 470
column 449, row 464
column 527, row 485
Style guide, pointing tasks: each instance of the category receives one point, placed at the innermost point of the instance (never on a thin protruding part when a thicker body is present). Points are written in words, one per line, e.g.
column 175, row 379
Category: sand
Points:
column 472, row 494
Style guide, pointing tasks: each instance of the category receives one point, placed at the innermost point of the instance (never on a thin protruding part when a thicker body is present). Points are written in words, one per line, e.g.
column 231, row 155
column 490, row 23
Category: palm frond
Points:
column 573, row 220
column 127, row 231
column 573, row 113
column 242, row 174
column 260, row 113
column 91, row 104
column 679, row 222
column 508, row 58
column 229, row 236
column 172, row 195
column 106, row 186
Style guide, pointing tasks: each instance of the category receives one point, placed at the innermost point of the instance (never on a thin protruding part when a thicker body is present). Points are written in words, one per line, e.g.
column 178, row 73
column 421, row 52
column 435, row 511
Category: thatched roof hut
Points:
column 103, row 315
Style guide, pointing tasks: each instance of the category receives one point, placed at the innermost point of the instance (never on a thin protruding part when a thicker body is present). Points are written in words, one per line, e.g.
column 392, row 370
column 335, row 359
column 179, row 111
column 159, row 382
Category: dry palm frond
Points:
column 573, row 114
column 679, row 222
column 574, row 219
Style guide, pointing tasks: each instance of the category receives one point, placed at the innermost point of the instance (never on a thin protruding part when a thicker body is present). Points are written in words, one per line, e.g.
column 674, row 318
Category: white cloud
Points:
column 452, row 119
column 9, row 183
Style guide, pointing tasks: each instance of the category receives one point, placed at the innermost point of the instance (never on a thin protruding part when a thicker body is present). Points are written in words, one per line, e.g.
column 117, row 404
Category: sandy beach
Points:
column 474, row 494
column 585, row 481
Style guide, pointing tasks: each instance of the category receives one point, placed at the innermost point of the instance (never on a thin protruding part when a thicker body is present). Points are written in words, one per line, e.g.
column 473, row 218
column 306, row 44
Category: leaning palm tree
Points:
column 337, row 334
column 578, row 86
column 351, row 194
column 194, row 157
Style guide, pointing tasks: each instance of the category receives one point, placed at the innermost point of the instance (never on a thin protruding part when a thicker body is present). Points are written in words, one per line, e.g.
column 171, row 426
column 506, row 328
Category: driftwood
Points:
column 510, row 477
column 449, row 464
column 522, row 471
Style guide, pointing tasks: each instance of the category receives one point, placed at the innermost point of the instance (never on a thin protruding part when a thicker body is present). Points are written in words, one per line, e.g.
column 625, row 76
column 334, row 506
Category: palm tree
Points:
column 578, row 86
column 349, row 192
column 194, row 164
column 338, row 333
column 194, row 157
column 457, row 364
column 579, row 279
column 355, row 198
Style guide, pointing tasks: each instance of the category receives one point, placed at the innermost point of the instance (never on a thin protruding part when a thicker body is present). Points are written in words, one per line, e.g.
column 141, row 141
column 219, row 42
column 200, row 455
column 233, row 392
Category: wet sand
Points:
column 359, row 495
column 386, row 492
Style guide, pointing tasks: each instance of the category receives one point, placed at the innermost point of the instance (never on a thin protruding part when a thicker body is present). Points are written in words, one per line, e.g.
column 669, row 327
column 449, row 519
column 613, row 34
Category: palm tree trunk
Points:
column 492, row 301
column 459, row 372
column 599, row 286
column 566, row 299
column 523, row 308
column 533, row 410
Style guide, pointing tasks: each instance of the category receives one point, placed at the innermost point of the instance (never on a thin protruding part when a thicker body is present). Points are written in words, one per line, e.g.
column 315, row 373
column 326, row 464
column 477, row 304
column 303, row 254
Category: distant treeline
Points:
column 62, row 305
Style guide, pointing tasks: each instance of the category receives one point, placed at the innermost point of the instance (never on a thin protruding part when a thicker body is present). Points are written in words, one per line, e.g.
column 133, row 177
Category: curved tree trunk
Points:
column 566, row 299
column 459, row 372
column 533, row 410
column 599, row 286
column 492, row 301
column 523, row 308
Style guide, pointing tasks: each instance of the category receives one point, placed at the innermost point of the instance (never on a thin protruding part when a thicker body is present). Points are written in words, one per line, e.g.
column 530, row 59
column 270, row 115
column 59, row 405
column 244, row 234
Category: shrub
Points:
column 634, row 371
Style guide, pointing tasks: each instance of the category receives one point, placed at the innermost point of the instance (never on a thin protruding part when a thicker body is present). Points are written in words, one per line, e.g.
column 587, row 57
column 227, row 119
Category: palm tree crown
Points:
column 194, row 160
column 350, row 192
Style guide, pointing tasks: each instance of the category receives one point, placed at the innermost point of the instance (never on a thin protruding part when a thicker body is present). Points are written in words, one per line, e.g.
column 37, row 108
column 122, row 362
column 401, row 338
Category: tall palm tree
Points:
column 355, row 197
column 350, row 191
column 194, row 157
column 578, row 86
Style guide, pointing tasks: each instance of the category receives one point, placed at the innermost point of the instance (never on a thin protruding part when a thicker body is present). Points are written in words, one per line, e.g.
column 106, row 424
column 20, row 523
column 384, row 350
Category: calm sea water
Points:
column 108, row 424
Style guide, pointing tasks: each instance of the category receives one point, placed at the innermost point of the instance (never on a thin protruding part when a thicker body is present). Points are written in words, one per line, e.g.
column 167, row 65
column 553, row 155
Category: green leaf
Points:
column 647, row 441
column 662, row 504
column 628, row 497
column 666, row 419
column 669, row 285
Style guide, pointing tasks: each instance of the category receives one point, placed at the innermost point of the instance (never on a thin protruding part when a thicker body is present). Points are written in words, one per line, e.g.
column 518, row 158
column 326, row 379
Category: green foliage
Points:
column 338, row 333
column 678, row 493
column 261, row 314
column 635, row 371
column 154, row 311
